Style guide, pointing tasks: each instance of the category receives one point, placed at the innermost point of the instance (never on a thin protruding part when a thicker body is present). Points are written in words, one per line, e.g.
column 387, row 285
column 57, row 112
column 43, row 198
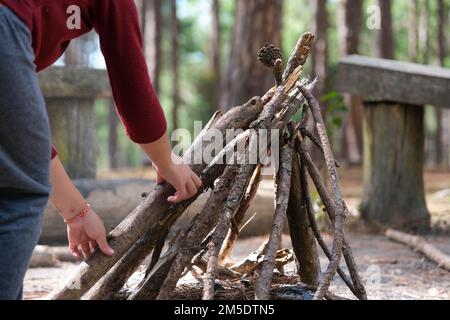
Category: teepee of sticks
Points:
column 202, row 247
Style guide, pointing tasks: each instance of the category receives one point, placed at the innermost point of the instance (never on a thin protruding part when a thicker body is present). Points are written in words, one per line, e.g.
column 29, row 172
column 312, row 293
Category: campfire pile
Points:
column 202, row 247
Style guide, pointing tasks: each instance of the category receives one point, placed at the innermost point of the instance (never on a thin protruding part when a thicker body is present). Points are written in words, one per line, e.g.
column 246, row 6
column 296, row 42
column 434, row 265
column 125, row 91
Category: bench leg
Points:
column 73, row 133
column 394, row 193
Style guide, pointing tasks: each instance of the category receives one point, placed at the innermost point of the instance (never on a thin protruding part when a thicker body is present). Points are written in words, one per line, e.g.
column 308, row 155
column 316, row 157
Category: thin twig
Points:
column 306, row 133
column 263, row 283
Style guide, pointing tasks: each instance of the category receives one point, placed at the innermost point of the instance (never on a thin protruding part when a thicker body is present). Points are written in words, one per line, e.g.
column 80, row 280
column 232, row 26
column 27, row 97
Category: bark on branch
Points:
column 421, row 245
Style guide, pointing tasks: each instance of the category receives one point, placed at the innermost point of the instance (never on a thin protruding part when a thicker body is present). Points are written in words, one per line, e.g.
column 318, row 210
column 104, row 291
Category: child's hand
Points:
column 86, row 235
column 181, row 177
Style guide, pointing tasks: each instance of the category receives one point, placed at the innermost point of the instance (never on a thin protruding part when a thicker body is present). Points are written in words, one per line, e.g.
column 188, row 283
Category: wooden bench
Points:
column 394, row 94
column 70, row 94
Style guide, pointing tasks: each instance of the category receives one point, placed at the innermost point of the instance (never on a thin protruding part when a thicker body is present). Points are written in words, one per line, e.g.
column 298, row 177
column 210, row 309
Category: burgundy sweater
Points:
column 116, row 22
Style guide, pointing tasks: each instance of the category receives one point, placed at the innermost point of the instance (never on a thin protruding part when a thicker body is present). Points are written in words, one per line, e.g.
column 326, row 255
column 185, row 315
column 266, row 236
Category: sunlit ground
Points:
column 390, row 270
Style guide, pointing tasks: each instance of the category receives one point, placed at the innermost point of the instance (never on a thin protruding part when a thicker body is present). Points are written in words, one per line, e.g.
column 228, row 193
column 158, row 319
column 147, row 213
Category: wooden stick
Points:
column 240, row 215
column 157, row 251
column 210, row 276
column 306, row 133
column 251, row 261
column 114, row 280
column 330, row 209
column 300, row 54
column 222, row 272
column 302, row 237
column 232, row 204
column 263, row 283
column 339, row 217
column 421, row 245
column 278, row 71
column 292, row 105
column 317, row 234
column 172, row 264
column 232, row 197
column 274, row 105
column 153, row 211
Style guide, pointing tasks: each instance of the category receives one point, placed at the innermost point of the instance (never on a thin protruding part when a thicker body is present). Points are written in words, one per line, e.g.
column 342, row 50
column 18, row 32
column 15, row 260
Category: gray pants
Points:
column 24, row 154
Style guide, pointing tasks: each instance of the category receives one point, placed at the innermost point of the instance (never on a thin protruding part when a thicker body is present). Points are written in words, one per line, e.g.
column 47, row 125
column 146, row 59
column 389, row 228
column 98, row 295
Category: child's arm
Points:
column 88, row 231
column 171, row 168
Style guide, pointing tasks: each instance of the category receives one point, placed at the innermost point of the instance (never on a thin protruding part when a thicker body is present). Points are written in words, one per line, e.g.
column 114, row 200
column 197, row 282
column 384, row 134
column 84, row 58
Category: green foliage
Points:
column 336, row 110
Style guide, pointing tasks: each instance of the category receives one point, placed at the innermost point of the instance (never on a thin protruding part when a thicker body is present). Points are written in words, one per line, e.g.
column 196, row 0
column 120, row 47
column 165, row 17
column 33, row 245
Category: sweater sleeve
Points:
column 137, row 104
column 54, row 152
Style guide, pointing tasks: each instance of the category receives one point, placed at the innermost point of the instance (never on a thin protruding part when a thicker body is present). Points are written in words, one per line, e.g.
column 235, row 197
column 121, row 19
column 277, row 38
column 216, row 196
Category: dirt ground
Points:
column 390, row 270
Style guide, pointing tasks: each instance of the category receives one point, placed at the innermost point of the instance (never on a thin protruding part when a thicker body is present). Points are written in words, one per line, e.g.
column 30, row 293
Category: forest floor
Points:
column 390, row 270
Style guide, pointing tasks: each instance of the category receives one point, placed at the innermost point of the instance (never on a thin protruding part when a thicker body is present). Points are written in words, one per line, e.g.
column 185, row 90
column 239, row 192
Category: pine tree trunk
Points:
column 112, row 136
column 174, row 65
column 151, row 36
column 74, row 54
column 77, row 54
column 413, row 30
column 385, row 37
column 424, row 34
column 320, row 52
column 441, row 114
column 215, row 51
column 256, row 22
column 350, row 15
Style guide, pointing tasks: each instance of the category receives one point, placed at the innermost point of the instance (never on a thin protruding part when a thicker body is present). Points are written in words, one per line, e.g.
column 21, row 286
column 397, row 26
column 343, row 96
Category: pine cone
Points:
column 268, row 54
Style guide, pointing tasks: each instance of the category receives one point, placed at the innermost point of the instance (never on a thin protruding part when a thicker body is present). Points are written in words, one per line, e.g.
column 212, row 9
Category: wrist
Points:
column 168, row 163
column 79, row 215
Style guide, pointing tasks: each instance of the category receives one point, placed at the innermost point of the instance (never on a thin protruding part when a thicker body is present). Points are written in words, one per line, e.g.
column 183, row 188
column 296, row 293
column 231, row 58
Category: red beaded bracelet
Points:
column 80, row 215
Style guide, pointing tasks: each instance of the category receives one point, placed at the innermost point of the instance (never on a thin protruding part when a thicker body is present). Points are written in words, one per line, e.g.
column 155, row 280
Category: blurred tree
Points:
column 174, row 64
column 74, row 55
column 442, row 116
column 215, row 51
column 413, row 30
column 319, row 58
column 349, row 25
column 424, row 34
column 256, row 22
column 385, row 37
column 79, row 50
column 151, row 35
column 112, row 136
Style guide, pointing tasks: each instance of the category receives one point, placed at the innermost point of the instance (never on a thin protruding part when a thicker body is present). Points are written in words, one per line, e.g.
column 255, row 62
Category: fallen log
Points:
column 421, row 245
column 43, row 257
column 49, row 256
